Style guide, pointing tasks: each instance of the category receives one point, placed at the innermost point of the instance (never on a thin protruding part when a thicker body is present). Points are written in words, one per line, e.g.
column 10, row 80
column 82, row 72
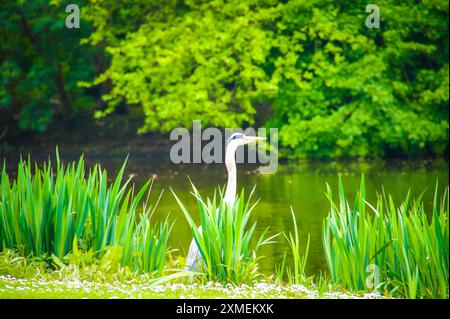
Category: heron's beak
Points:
column 253, row 139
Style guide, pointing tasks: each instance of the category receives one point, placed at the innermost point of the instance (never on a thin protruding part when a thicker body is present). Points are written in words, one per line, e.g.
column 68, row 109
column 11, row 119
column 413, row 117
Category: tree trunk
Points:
column 64, row 97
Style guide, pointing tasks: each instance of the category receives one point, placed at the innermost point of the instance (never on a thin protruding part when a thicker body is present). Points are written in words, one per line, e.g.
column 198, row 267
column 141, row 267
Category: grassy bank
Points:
column 22, row 277
column 40, row 289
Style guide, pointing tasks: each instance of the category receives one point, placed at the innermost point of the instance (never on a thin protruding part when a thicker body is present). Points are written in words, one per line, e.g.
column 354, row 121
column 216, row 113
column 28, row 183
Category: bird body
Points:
column 234, row 141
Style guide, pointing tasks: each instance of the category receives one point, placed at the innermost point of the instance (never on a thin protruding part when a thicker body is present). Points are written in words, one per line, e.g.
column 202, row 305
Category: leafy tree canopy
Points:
column 333, row 86
column 41, row 61
column 337, row 88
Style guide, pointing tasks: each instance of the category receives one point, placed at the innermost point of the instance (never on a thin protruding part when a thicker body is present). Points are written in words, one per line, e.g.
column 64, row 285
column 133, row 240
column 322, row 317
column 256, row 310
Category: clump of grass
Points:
column 226, row 241
column 410, row 253
column 297, row 275
column 55, row 212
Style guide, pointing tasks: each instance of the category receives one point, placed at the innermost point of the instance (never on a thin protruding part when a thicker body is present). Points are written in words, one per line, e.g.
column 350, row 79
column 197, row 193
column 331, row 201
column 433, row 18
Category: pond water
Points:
column 300, row 185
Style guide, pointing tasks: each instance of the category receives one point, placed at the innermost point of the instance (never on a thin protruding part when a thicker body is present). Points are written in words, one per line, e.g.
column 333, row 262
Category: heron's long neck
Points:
column 230, row 162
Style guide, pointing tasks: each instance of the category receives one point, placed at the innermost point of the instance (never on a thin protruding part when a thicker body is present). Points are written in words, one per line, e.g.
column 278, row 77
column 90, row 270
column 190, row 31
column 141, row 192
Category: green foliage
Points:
column 336, row 87
column 225, row 241
column 41, row 63
column 365, row 92
column 333, row 87
column 203, row 61
column 56, row 213
column 411, row 252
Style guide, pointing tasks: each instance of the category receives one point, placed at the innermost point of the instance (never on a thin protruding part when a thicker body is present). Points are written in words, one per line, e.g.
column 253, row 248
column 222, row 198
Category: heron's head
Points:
column 237, row 139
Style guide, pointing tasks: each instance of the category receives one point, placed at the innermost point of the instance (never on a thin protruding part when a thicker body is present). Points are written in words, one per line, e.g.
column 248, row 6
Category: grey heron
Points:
column 234, row 141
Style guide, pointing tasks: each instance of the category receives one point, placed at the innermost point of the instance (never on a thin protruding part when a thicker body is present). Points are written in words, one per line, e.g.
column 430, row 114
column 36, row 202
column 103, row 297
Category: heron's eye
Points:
column 235, row 137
